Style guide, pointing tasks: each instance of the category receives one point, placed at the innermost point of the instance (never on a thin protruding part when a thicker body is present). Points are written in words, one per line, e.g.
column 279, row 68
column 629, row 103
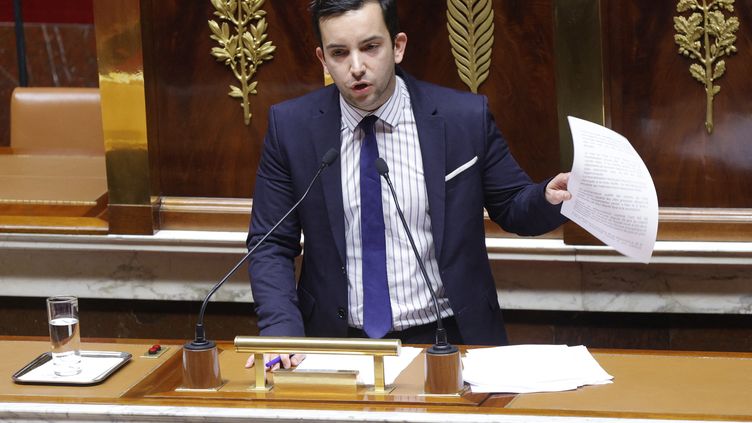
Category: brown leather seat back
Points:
column 56, row 120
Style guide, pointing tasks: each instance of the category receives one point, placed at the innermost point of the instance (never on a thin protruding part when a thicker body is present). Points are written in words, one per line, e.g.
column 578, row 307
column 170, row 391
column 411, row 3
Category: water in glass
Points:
column 64, row 337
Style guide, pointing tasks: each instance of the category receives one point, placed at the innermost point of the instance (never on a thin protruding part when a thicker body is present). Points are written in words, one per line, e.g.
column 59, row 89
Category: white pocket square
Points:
column 460, row 169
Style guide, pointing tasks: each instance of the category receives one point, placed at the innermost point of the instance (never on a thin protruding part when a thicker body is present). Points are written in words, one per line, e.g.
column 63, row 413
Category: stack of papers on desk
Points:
column 531, row 368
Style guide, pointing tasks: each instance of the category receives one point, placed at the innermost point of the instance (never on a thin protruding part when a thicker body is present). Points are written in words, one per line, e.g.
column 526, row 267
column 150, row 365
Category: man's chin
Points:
column 365, row 103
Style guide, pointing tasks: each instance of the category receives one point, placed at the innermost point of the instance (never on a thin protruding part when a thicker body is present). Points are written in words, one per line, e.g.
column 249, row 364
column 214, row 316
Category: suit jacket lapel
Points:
column 433, row 149
column 326, row 126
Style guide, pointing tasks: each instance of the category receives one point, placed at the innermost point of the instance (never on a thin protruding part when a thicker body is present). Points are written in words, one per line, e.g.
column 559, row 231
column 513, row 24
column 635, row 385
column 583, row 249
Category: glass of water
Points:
column 62, row 313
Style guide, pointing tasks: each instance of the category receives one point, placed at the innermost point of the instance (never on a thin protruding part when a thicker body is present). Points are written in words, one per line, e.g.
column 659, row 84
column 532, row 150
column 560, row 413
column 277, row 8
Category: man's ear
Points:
column 400, row 44
column 320, row 55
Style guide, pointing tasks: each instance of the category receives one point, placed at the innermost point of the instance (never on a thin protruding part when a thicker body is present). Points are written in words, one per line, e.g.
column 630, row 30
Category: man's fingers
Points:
column 290, row 360
column 285, row 360
column 297, row 359
column 563, row 195
column 556, row 190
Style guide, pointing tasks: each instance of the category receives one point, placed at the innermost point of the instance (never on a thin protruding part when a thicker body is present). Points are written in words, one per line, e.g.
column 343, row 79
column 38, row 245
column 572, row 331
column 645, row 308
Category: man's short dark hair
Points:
column 322, row 9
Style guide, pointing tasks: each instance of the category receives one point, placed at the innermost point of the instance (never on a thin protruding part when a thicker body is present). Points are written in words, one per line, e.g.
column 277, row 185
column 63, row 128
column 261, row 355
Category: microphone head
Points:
column 329, row 157
column 381, row 166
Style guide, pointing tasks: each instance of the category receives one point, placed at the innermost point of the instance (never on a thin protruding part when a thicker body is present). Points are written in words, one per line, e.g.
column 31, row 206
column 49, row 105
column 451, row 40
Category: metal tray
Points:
column 90, row 357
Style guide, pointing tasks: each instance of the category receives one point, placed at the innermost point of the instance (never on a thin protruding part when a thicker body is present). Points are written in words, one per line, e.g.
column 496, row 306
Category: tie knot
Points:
column 367, row 123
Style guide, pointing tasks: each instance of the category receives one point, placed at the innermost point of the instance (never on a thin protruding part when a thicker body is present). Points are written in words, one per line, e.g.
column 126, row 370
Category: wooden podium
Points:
column 648, row 386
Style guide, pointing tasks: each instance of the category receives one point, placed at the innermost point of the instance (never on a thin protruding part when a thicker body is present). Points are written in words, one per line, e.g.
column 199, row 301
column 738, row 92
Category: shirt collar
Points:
column 389, row 112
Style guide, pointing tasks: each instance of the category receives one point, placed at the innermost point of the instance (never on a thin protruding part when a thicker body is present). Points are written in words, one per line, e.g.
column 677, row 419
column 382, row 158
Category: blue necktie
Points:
column 377, row 309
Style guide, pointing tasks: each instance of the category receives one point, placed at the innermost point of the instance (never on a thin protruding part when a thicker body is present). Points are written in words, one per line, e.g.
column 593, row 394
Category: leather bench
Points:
column 55, row 165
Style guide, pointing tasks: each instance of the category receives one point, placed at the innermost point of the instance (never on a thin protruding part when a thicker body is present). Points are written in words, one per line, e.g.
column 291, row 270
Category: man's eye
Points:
column 337, row 53
column 371, row 47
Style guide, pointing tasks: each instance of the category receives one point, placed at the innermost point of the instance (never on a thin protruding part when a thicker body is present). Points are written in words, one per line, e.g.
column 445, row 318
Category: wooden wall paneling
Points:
column 660, row 108
column 524, row 98
column 651, row 98
column 203, row 148
column 521, row 85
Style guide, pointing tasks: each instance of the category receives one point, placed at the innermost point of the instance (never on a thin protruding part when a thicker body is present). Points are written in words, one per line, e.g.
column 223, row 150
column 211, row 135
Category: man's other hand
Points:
column 286, row 360
column 556, row 190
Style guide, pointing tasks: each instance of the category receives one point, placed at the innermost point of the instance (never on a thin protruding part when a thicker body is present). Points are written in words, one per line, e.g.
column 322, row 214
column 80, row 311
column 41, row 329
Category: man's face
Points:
column 358, row 53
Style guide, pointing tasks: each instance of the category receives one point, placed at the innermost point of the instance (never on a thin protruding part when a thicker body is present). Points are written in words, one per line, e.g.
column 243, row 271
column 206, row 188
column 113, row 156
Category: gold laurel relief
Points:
column 705, row 36
column 243, row 50
column 471, row 35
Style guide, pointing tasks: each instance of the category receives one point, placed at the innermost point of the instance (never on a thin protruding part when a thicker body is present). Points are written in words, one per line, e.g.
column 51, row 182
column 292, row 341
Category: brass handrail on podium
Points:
column 260, row 345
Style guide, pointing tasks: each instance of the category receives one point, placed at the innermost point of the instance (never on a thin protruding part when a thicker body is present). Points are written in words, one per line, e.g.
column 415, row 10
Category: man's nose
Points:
column 357, row 66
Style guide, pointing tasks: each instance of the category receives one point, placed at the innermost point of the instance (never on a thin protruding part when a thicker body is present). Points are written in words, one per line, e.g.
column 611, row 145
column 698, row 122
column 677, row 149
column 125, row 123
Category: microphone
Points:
column 441, row 338
column 200, row 343
column 443, row 367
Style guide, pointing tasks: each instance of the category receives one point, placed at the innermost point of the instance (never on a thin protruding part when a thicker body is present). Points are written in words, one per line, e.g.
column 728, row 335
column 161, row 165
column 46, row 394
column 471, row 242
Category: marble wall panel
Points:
column 121, row 275
column 698, row 288
column 546, row 285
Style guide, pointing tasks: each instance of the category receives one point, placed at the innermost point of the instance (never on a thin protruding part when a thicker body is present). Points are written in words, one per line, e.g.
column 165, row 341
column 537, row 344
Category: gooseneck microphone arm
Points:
column 327, row 160
column 441, row 337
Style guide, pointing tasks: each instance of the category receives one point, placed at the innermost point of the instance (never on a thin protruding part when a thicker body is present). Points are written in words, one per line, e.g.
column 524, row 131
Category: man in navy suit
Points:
column 448, row 162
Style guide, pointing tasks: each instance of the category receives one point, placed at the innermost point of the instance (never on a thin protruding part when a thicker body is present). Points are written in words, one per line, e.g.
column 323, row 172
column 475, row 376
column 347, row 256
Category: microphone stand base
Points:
column 443, row 375
column 459, row 394
column 201, row 366
column 182, row 388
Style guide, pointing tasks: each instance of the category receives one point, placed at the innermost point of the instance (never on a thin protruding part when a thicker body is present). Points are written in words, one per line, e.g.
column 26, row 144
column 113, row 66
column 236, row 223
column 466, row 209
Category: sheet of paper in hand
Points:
column 613, row 195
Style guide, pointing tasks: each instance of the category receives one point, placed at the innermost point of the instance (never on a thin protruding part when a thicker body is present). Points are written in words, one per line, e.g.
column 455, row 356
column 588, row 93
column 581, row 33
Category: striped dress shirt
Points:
column 397, row 139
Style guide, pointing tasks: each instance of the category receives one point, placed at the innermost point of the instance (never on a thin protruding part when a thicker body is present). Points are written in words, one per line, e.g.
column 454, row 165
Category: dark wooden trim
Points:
column 132, row 219
column 204, row 214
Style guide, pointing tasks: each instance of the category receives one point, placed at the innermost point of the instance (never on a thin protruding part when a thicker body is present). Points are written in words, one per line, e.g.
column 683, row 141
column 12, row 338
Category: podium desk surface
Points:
column 648, row 386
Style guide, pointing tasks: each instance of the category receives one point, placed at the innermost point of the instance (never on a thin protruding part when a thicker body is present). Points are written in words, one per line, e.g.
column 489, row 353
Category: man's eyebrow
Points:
column 334, row 45
column 372, row 38
column 365, row 41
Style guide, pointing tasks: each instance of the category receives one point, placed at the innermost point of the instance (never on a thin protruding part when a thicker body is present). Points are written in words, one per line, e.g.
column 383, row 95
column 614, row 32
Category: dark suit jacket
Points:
column 453, row 127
